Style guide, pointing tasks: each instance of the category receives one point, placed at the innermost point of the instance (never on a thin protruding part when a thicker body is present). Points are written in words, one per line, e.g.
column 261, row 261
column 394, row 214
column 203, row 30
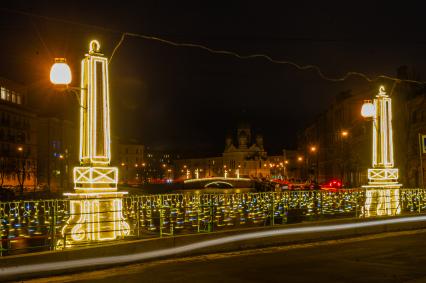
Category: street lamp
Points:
column 313, row 150
column 343, row 158
column 96, row 205
column 60, row 73
column 382, row 191
column 368, row 110
column 383, row 174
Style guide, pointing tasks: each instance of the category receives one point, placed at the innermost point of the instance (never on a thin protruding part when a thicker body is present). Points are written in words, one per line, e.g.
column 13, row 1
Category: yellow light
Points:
column 96, row 207
column 286, row 162
column 20, row 148
column 344, row 133
column 381, row 202
column 300, row 158
column 93, row 151
column 313, row 149
column 368, row 110
column 383, row 174
column 94, row 46
column 87, row 218
column 60, row 73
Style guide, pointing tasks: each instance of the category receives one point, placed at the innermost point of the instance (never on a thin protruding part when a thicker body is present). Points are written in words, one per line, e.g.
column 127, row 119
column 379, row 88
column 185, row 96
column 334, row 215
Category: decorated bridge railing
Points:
column 37, row 225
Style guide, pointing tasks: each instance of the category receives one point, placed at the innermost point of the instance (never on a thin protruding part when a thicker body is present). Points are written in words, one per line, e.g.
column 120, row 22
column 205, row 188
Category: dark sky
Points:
column 187, row 99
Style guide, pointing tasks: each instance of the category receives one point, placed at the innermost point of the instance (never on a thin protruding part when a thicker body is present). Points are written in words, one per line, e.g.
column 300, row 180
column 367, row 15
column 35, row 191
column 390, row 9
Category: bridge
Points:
column 218, row 182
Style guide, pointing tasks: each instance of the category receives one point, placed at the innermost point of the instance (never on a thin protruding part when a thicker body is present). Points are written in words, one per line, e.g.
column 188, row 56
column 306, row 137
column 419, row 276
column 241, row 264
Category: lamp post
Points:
column 382, row 191
column 96, row 205
column 21, row 168
column 343, row 135
column 313, row 150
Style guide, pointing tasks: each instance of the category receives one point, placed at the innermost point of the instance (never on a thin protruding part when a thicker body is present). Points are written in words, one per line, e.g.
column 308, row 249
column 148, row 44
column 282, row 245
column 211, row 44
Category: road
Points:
column 390, row 257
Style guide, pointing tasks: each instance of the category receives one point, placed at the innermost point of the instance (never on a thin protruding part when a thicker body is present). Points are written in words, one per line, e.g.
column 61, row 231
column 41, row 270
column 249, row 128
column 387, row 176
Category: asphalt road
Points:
column 390, row 257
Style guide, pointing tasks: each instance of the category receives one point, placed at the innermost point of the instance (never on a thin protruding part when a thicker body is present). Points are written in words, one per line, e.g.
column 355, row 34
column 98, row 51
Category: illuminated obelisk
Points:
column 96, row 206
column 382, row 191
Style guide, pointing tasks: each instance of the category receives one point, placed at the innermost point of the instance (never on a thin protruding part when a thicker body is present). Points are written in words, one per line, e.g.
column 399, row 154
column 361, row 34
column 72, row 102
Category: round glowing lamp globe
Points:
column 60, row 73
column 367, row 110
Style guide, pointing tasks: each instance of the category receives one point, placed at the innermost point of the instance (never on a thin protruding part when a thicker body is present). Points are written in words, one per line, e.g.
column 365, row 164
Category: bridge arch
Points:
column 219, row 184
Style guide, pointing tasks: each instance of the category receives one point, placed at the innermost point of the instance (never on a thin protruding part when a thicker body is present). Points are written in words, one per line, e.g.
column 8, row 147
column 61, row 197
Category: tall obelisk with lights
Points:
column 96, row 206
column 382, row 191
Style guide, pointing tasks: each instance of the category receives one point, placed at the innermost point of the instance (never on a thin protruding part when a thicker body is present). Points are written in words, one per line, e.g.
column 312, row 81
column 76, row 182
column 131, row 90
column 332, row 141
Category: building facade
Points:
column 57, row 154
column 159, row 166
column 342, row 138
column 338, row 143
column 131, row 161
column 18, row 138
column 244, row 156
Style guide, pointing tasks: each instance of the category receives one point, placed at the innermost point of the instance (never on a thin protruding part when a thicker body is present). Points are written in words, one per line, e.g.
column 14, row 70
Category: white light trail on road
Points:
column 112, row 260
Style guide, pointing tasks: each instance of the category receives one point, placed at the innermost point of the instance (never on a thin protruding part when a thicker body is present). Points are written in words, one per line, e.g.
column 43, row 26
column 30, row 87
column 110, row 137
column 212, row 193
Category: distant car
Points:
column 308, row 185
column 332, row 185
column 280, row 185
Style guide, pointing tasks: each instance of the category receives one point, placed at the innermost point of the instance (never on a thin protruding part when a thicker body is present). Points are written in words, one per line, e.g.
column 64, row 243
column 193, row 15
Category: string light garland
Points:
column 315, row 68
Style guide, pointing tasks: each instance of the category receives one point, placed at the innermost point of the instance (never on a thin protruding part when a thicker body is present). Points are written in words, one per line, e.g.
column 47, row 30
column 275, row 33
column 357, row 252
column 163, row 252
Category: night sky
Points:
column 186, row 99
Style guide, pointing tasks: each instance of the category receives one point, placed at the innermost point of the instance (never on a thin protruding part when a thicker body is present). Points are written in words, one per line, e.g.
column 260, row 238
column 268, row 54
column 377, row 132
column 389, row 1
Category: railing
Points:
column 28, row 226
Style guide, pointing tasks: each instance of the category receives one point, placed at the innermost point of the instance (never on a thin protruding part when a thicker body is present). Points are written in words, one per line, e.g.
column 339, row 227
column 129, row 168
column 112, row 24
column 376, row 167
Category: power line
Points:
column 315, row 68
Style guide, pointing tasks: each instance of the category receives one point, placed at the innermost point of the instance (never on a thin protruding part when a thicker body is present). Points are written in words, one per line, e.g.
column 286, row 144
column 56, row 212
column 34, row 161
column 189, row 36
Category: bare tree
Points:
column 21, row 173
column 21, row 168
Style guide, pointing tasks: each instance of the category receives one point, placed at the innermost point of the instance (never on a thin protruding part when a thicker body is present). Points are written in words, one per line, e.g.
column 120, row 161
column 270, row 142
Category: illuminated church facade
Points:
column 244, row 156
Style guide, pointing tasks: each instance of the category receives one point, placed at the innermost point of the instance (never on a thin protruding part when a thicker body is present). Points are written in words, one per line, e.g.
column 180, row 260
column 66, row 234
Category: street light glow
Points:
column 344, row 133
column 313, row 149
column 368, row 110
column 60, row 73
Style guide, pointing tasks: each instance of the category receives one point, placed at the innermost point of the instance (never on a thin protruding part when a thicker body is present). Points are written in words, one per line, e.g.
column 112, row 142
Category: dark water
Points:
column 173, row 188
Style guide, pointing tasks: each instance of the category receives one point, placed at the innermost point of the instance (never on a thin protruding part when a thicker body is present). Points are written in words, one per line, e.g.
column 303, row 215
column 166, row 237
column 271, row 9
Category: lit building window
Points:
column 18, row 98
column 7, row 95
column 13, row 96
column 3, row 93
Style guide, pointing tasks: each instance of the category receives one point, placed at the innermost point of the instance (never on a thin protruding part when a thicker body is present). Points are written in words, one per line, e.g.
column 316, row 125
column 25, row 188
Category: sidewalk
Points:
column 89, row 258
